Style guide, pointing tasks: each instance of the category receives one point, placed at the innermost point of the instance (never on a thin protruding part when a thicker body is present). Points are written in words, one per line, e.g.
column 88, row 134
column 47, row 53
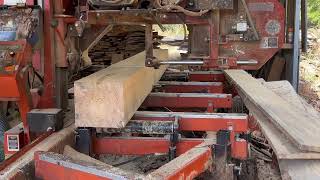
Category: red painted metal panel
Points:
column 202, row 124
column 207, row 77
column 139, row 146
column 240, row 150
column 188, row 102
column 49, row 171
column 9, row 87
column 192, row 88
column 14, row 85
column 52, row 167
column 47, row 99
column 193, row 168
column 189, row 124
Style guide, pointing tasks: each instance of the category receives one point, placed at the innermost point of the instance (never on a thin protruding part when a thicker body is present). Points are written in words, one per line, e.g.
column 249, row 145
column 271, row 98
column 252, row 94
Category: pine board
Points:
column 298, row 126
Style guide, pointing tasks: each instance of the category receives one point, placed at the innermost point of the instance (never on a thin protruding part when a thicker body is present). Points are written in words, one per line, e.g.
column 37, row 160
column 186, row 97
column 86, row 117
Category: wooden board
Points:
column 110, row 97
column 300, row 169
column 283, row 147
column 83, row 159
column 298, row 164
column 298, row 126
column 115, row 58
column 285, row 90
column 276, row 69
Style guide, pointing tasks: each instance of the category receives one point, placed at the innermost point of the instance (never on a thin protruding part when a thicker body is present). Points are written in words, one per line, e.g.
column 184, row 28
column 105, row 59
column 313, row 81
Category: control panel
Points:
column 8, row 58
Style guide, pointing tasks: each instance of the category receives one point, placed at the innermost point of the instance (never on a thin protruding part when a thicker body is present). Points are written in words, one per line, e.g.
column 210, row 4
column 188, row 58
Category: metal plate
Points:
column 214, row 4
column 261, row 6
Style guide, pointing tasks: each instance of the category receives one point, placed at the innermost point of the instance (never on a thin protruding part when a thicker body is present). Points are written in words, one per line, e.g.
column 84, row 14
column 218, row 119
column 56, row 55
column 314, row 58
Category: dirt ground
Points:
column 310, row 70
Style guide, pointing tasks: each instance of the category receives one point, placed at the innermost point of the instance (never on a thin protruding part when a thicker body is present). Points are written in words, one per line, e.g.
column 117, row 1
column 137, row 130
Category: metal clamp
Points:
column 174, row 139
column 84, row 140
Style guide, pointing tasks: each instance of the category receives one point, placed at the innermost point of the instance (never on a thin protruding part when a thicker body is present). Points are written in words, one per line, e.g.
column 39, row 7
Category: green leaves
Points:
column 314, row 12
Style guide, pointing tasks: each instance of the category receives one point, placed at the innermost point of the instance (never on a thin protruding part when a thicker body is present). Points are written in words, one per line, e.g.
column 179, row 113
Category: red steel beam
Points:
column 9, row 87
column 236, row 123
column 199, row 121
column 207, row 76
column 188, row 100
column 138, row 17
column 139, row 145
column 190, row 87
column 187, row 166
column 47, row 99
column 53, row 166
column 239, row 149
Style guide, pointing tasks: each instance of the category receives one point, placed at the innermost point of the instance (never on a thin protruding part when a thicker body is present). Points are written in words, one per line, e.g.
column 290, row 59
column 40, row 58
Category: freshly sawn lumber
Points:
column 300, row 127
column 282, row 146
column 110, row 97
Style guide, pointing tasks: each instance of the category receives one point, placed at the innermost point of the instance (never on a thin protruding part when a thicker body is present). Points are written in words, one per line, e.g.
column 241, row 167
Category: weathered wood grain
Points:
column 281, row 145
column 298, row 126
column 300, row 169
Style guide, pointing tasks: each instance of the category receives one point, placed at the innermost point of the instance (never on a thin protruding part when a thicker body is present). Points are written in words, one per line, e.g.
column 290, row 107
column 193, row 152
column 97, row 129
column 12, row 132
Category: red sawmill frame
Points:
column 195, row 155
column 235, row 123
column 210, row 101
column 52, row 166
column 190, row 87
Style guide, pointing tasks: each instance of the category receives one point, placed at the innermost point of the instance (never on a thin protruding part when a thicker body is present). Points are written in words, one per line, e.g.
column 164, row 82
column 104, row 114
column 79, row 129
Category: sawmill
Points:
column 93, row 89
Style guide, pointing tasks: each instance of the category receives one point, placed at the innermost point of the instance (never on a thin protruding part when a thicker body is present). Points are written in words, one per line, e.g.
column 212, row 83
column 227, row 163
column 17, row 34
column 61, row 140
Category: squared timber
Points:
column 110, row 97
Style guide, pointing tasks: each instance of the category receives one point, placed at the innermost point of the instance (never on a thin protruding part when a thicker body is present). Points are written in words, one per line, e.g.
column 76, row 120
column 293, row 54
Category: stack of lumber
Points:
column 288, row 122
column 119, row 44
column 110, row 97
column 294, row 163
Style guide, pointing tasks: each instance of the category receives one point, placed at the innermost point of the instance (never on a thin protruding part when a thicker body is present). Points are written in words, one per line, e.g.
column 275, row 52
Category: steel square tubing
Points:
column 188, row 100
column 198, row 121
column 190, row 87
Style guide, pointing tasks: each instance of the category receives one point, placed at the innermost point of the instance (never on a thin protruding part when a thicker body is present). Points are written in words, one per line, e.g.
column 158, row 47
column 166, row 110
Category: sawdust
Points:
column 257, row 169
column 267, row 171
column 138, row 164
